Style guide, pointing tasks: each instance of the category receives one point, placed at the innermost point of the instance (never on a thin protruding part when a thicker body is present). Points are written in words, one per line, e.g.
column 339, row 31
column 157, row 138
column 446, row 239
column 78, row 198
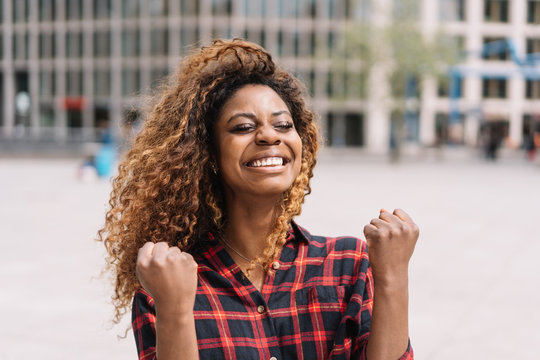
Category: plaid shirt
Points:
column 315, row 303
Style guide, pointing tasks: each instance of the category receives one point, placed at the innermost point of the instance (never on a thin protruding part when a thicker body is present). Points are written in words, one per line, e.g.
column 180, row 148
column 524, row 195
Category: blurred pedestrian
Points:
column 201, row 236
column 530, row 147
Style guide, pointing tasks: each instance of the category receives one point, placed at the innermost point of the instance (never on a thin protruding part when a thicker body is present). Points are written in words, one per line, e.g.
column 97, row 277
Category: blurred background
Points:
column 384, row 75
column 428, row 105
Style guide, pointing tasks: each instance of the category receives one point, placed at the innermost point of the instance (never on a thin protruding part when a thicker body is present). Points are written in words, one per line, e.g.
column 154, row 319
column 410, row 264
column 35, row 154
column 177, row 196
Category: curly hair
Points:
column 166, row 188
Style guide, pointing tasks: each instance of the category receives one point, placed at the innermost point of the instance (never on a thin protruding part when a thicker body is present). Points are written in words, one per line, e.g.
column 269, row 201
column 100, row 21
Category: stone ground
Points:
column 474, row 284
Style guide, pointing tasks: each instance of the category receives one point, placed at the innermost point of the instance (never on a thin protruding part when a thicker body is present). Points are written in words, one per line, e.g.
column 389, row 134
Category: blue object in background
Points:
column 105, row 159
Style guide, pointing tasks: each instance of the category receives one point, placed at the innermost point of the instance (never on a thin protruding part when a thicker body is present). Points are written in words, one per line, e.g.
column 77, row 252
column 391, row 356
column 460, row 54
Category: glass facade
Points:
column 80, row 62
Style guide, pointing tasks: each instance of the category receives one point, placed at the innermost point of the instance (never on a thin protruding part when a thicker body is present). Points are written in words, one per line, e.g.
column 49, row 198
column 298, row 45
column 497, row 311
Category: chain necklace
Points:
column 238, row 253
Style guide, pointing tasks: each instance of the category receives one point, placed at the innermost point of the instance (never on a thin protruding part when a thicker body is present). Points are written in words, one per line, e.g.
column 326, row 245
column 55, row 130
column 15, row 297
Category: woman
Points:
column 201, row 237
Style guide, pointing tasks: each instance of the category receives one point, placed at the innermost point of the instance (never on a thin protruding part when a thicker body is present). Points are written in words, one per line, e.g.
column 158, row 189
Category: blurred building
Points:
column 70, row 69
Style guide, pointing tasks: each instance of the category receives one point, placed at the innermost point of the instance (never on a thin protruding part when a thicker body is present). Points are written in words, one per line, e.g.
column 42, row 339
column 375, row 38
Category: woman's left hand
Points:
column 391, row 239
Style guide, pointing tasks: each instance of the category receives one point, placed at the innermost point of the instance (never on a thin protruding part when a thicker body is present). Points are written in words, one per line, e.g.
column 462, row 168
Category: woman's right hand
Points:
column 169, row 276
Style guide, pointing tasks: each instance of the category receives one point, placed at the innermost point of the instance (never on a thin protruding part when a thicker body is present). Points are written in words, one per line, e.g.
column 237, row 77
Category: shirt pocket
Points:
column 319, row 310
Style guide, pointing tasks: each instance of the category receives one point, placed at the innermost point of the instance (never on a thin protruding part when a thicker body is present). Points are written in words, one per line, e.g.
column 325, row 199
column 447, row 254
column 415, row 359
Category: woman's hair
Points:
column 167, row 188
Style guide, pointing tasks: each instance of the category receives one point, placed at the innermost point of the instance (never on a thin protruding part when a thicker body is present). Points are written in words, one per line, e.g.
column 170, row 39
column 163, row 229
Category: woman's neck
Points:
column 248, row 226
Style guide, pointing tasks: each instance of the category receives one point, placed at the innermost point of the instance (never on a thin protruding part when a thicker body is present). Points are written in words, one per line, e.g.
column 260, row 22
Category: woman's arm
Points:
column 170, row 277
column 391, row 240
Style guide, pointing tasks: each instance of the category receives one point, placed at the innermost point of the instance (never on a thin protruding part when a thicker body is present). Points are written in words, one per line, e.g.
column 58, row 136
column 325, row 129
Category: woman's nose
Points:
column 266, row 135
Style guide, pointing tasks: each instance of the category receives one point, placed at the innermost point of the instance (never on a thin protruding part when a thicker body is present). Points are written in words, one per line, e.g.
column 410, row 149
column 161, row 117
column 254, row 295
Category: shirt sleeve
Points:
column 143, row 321
column 356, row 322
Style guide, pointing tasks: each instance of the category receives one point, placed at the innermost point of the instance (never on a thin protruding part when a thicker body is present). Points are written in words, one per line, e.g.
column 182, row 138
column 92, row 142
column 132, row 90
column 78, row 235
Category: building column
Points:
column 516, row 84
column 33, row 67
column 116, row 100
column 88, row 133
column 472, row 83
column 8, row 73
column 427, row 111
column 60, row 67
column 379, row 102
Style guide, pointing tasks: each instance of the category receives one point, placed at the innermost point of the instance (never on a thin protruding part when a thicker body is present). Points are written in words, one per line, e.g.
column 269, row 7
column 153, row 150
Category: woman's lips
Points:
column 267, row 161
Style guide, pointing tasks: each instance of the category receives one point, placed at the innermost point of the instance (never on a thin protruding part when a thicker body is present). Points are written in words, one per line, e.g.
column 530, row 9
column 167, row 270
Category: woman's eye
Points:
column 243, row 128
column 284, row 125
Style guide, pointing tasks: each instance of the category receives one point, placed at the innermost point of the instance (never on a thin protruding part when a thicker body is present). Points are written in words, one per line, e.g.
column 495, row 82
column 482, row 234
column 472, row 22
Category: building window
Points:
column 221, row 7
column 47, row 9
column 46, row 115
column 74, row 44
column 533, row 11
column 406, row 10
column 159, row 44
column 102, row 43
column 494, row 88
column 74, row 9
column 159, row 75
column 130, row 42
column 355, row 87
column 158, row 7
column 496, row 10
column 361, row 10
column 74, row 82
column 130, row 8
column 102, row 9
column 447, row 131
column 189, row 36
column 495, row 49
column 189, row 7
column 345, row 129
column 533, row 46
column 102, row 82
column 20, row 45
column 338, row 9
column 532, row 89
column 287, row 8
column 46, row 83
column 444, row 87
column 452, row 10
column 404, row 125
column 21, row 11
column 130, row 81
column 46, row 45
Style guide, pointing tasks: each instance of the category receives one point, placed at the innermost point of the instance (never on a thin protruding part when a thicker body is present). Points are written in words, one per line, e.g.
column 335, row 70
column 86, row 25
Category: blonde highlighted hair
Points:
column 167, row 189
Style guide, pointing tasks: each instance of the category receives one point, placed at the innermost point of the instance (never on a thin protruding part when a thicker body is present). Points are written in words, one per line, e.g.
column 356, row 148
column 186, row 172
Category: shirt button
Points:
column 260, row 309
column 275, row 265
column 273, row 358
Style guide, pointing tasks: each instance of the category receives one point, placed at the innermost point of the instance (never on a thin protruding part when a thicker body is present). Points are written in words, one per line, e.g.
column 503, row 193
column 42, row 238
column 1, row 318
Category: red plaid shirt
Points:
column 315, row 303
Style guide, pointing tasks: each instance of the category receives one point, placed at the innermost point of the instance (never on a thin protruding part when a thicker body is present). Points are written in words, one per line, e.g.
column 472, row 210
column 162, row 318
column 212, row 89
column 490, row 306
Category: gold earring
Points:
column 213, row 167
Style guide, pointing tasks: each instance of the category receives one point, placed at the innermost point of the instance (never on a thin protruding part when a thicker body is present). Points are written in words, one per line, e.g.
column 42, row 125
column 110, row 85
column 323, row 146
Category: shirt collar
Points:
column 296, row 232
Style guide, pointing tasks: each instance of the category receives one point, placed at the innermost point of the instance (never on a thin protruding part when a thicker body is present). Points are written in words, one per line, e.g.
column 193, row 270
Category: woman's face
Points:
column 259, row 150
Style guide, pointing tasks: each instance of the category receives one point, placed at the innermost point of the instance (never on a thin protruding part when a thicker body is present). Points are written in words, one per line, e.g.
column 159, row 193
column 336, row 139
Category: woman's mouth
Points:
column 268, row 161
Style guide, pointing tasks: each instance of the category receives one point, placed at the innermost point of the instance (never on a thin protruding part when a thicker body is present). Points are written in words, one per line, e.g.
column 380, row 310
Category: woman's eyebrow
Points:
column 254, row 117
column 246, row 115
column 277, row 113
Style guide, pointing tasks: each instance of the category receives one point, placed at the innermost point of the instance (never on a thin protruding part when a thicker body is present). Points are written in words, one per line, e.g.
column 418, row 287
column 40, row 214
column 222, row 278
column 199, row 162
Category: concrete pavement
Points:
column 474, row 275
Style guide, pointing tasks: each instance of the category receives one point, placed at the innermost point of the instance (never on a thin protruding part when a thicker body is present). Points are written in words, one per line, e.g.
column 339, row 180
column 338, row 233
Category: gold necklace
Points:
column 239, row 254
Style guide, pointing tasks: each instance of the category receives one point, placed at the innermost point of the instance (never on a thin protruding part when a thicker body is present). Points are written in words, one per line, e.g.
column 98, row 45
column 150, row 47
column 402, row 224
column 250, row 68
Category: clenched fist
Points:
column 168, row 275
column 391, row 239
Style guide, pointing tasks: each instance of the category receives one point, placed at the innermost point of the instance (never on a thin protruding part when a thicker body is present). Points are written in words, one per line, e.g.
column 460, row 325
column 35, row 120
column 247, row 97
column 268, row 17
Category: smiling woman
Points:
column 201, row 237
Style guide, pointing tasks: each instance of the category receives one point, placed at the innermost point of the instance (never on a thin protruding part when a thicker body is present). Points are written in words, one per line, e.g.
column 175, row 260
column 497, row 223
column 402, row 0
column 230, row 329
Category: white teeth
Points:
column 273, row 161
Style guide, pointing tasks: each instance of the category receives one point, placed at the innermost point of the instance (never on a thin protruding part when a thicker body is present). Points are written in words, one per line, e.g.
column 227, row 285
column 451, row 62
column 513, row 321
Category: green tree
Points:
column 404, row 54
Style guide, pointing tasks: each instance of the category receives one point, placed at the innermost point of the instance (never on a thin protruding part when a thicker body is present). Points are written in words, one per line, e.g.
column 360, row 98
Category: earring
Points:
column 213, row 167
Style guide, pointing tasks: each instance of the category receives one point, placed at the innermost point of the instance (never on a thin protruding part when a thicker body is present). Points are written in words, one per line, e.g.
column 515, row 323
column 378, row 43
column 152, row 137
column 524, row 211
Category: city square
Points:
column 473, row 277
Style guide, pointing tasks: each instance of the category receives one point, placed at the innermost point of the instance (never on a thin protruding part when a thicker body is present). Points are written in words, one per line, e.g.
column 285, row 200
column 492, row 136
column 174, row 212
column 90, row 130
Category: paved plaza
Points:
column 475, row 275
